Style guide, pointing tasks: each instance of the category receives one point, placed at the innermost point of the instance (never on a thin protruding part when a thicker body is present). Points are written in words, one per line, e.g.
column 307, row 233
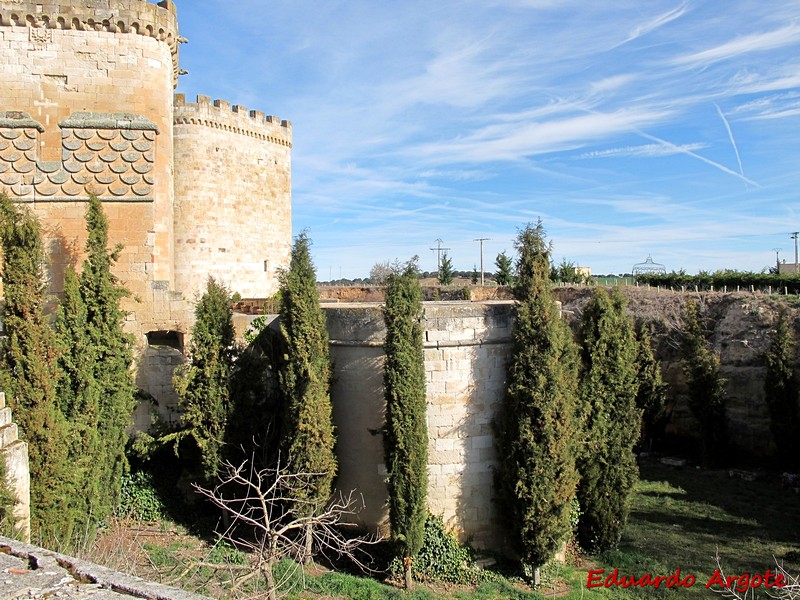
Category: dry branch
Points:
column 269, row 521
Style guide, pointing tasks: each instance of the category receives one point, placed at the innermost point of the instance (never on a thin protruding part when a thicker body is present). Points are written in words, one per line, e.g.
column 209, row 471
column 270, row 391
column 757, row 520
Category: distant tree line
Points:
column 725, row 279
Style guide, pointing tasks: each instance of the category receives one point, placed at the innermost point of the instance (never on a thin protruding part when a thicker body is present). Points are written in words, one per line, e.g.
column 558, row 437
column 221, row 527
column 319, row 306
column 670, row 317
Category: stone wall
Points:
column 87, row 100
column 87, row 90
column 466, row 347
column 14, row 453
column 233, row 197
column 71, row 67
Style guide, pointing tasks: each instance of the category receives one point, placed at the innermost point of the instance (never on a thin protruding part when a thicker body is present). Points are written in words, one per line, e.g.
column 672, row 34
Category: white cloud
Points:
column 644, row 151
column 518, row 140
column 656, row 22
column 610, row 84
column 758, row 42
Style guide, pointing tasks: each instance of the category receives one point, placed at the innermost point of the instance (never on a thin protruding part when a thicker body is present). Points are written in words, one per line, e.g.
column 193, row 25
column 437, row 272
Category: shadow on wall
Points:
column 357, row 335
column 156, row 368
column 62, row 254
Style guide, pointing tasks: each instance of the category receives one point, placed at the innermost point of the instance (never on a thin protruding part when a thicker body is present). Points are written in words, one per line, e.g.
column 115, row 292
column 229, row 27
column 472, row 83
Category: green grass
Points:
column 682, row 518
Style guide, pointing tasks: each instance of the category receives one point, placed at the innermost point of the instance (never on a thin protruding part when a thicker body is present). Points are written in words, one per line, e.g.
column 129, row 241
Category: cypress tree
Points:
column 446, row 270
column 610, row 419
column 307, row 434
column 405, row 436
column 781, row 393
column 111, row 357
column 707, row 399
column 504, row 264
column 651, row 397
column 30, row 375
column 536, row 429
column 79, row 396
column 203, row 385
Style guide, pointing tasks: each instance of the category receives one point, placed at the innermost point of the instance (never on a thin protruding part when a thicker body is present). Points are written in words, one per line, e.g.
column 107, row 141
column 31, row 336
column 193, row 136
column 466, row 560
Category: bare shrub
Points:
column 268, row 520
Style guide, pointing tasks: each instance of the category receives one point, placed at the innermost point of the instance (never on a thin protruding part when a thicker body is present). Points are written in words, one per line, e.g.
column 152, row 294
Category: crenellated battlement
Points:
column 220, row 114
column 42, row 17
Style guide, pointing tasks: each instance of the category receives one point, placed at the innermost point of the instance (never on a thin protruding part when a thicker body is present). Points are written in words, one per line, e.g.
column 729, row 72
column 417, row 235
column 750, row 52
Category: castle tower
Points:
column 87, row 106
column 232, row 197
column 86, row 90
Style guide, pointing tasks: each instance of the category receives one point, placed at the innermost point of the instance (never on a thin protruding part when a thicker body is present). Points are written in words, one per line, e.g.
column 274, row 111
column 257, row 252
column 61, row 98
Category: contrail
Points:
column 730, row 134
column 682, row 150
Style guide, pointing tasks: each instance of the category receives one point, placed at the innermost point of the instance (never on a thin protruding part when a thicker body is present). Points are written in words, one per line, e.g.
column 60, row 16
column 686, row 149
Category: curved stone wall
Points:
column 232, row 197
column 466, row 347
column 85, row 76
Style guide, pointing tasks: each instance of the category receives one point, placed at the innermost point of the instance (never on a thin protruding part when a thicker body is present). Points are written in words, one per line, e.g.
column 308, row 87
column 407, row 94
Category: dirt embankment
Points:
column 740, row 324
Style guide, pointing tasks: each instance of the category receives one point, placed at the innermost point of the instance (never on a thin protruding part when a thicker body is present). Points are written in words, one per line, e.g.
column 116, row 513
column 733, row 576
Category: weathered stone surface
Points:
column 234, row 212
column 28, row 571
column 464, row 385
column 91, row 109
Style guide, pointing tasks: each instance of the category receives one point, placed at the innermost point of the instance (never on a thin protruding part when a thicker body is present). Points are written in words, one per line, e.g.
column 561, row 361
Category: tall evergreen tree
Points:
column 707, row 398
column 112, row 356
column 203, row 385
column 781, row 393
column 536, row 430
column 610, row 419
column 651, row 397
column 30, row 375
column 504, row 274
column 307, row 433
column 80, row 399
column 446, row 270
column 405, row 436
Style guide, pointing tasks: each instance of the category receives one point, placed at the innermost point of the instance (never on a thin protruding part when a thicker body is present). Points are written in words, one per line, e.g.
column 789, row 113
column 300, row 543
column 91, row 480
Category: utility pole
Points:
column 439, row 251
column 794, row 237
column 481, row 240
column 777, row 260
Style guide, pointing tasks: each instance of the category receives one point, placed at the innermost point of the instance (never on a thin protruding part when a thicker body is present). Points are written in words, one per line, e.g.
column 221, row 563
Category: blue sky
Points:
column 632, row 127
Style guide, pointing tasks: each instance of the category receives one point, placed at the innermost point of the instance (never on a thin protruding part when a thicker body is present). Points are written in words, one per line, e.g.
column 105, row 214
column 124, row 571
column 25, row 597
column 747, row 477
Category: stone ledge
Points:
column 36, row 560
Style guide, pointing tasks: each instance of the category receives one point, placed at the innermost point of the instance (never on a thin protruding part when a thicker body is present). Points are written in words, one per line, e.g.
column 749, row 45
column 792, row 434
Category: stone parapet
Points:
column 33, row 572
column 136, row 17
column 232, row 180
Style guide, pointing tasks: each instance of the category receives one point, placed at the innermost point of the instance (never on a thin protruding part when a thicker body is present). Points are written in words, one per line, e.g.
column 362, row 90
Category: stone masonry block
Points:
column 482, row 441
column 441, row 421
column 431, row 354
column 437, row 336
column 435, row 388
column 8, row 435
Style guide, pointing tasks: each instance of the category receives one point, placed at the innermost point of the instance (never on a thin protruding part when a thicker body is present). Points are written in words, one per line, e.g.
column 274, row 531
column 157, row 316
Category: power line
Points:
column 777, row 259
column 481, row 240
column 438, row 251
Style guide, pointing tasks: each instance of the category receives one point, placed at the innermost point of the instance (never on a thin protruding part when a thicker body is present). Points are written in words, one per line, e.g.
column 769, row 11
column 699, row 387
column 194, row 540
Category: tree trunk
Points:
column 309, row 546
column 272, row 592
column 408, row 580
